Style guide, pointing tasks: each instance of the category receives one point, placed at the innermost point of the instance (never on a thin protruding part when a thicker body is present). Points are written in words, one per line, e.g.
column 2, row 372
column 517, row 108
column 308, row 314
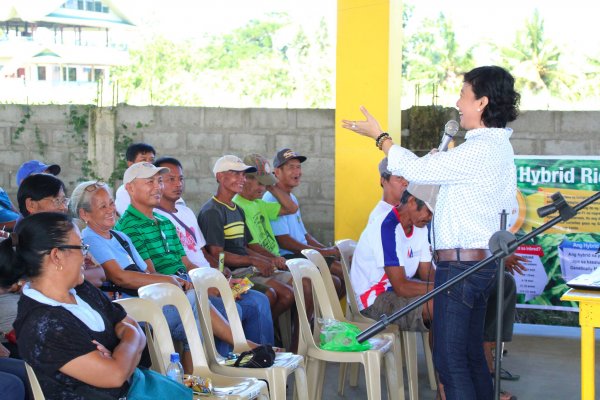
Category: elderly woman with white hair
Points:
column 93, row 203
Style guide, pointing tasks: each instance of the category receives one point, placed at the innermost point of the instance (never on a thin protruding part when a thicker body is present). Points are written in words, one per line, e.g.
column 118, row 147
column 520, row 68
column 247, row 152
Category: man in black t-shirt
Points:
column 222, row 224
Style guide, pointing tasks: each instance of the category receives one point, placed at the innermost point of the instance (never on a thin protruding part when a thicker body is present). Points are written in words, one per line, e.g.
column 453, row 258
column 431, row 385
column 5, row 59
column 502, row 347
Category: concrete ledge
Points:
column 550, row 331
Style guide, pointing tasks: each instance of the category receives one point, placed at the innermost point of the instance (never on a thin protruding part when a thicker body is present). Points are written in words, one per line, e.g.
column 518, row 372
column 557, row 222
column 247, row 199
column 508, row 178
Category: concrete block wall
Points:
column 198, row 136
column 39, row 124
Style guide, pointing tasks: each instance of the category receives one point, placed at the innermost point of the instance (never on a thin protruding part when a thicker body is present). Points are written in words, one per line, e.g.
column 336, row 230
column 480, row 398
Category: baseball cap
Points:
column 142, row 170
column 383, row 169
column 264, row 171
column 35, row 167
column 231, row 163
column 426, row 193
column 284, row 155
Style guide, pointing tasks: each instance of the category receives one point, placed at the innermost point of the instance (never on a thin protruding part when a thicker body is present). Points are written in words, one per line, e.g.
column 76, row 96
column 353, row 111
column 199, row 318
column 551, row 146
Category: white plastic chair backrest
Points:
column 36, row 389
column 347, row 247
column 316, row 258
column 206, row 278
column 164, row 294
column 303, row 268
column 159, row 339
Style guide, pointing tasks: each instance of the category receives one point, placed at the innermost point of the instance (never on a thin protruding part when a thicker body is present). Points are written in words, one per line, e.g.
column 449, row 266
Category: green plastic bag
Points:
column 340, row 336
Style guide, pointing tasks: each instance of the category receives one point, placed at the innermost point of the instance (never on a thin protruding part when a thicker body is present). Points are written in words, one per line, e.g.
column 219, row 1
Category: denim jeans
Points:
column 13, row 379
column 255, row 313
column 458, row 319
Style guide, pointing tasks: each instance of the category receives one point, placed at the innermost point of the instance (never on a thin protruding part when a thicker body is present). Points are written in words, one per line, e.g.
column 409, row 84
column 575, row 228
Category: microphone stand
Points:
column 502, row 244
column 499, row 305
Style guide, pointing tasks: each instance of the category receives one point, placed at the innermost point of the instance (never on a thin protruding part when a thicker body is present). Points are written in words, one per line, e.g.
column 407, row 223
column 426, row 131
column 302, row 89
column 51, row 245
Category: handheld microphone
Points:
column 450, row 129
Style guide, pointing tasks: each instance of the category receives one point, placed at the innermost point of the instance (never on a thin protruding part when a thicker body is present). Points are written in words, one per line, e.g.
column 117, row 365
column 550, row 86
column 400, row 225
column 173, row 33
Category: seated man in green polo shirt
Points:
column 153, row 236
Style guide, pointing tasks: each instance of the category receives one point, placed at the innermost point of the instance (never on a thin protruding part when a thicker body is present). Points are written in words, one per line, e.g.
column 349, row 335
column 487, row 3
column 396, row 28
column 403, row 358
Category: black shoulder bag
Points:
column 109, row 286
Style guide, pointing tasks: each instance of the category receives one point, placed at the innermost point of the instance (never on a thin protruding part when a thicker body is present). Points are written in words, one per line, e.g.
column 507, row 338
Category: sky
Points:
column 195, row 18
column 573, row 23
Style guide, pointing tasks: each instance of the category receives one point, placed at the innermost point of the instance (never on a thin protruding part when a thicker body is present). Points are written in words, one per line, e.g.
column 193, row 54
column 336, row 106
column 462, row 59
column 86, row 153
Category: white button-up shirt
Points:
column 478, row 181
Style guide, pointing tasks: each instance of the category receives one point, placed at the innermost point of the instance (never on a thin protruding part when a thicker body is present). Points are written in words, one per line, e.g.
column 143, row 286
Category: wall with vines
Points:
column 198, row 136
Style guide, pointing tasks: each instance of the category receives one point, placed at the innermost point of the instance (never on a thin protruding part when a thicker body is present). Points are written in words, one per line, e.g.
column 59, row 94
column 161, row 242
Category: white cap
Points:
column 231, row 163
column 426, row 193
column 142, row 170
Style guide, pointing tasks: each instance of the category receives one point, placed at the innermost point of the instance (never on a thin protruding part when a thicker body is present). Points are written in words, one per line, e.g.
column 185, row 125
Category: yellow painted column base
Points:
column 589, row 318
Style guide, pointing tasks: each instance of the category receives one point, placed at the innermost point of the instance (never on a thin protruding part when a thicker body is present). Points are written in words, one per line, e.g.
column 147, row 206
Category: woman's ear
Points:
column 56, row 256
column 83, row 215
column 31, row 205
column 483, row 102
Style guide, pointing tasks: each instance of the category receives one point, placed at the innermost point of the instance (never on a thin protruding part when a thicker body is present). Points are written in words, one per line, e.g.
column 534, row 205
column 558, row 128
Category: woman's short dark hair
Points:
column 37, row 187
column 21, row 256
column 498, row 85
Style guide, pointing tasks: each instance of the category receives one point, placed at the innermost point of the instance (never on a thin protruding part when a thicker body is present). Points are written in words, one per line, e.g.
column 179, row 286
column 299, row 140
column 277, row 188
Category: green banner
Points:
column 568, row 249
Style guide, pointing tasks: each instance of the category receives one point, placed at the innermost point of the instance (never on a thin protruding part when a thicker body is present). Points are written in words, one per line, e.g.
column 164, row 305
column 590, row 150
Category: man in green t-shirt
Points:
column 260, row 213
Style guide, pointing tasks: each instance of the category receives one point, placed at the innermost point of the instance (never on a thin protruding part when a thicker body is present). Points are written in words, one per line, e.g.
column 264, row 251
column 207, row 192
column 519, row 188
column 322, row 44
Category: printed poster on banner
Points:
column 567, row 250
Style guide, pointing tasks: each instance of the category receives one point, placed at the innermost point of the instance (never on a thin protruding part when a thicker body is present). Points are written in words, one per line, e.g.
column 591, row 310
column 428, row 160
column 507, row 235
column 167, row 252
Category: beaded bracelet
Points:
column 382, row 141
column 381, row 135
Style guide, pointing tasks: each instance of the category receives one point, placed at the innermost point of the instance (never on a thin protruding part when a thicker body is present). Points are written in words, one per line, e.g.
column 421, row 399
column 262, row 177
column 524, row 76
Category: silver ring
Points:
column 353, row 125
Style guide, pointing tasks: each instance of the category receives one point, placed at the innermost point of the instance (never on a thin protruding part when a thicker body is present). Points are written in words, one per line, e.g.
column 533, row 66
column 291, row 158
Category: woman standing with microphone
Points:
column 477, row 181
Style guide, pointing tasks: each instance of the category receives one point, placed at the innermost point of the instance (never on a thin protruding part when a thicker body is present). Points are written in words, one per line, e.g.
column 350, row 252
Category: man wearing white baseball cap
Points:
column 223, row 225
column 231, row 163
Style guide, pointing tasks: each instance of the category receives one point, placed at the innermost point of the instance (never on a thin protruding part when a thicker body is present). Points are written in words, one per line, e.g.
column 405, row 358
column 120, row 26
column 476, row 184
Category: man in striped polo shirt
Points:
column 153, row 235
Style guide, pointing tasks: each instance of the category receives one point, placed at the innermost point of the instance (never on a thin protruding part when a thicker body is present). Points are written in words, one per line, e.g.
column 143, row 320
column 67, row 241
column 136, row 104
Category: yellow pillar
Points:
column 369, row 69
column 589, row 319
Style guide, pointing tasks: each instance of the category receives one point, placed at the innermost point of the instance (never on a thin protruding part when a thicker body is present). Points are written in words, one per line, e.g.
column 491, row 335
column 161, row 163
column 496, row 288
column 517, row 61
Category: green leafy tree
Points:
column 536, row 62
column 266, row 62
column 433, row 57
column 157, row 74
column 272, row 61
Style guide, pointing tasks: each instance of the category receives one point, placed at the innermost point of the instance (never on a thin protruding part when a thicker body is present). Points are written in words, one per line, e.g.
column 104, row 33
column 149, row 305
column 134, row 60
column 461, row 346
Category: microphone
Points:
column 450, row 130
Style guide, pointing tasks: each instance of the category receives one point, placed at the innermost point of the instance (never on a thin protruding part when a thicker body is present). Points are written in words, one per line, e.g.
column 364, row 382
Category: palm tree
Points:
column 536, row 62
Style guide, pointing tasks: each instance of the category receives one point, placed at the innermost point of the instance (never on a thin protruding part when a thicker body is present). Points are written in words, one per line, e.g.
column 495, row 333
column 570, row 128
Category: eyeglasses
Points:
column 95, row 186
column 83, row 247
column 57, row 201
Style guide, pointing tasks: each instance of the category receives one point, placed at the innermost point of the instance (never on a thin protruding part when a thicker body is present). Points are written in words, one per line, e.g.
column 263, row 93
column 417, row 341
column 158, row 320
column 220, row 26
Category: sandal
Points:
column 507, row 376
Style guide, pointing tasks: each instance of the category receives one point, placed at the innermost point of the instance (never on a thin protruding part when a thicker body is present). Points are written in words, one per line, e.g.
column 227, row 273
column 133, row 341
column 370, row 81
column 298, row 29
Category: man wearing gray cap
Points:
column 393, row 186
column 258, row 212
column 391, row 266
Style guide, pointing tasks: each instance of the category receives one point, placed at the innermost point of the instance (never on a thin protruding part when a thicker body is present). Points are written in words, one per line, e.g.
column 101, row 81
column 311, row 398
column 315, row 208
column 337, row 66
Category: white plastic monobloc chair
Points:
column 148, row 309
column 285, row 363
column 316, row 358
column 34, row 384
column 321, row 264
column 409, row 339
